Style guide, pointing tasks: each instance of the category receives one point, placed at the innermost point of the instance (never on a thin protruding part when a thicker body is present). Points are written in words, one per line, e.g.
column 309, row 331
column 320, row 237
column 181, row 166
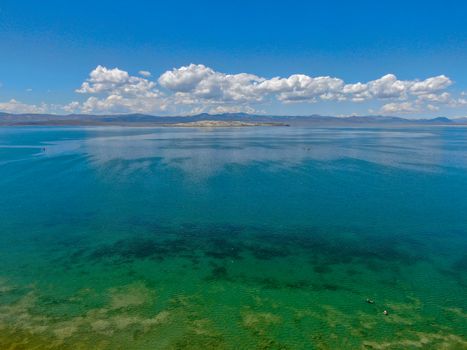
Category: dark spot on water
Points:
column 302, row 284
column 144, row 248
column 299, row 284
column 322, row 268
column 221, row 248
column 268, row 283
column 322, row 247
column 352, row 272
column 458, row 270
column 138, row 333
column 218, row 273
column 330, row 286
column 268, row 253
column 460, row 264
column 199, row 341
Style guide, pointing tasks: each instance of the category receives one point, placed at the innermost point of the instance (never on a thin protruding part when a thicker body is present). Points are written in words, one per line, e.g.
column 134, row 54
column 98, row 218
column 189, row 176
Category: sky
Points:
column 404, row 58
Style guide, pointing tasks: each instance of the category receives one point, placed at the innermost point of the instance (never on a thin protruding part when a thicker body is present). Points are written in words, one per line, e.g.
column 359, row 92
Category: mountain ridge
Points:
column 11, row 119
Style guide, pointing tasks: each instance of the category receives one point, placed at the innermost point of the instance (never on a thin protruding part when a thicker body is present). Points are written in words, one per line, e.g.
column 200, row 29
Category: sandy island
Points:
column 223, row 124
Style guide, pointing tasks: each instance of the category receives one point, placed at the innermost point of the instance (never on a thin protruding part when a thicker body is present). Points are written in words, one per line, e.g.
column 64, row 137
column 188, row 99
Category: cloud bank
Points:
column 14, row 106
column 197, row 88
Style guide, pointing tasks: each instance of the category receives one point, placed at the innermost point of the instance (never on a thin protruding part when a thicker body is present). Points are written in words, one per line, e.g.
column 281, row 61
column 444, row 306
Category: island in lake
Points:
column 223, row 124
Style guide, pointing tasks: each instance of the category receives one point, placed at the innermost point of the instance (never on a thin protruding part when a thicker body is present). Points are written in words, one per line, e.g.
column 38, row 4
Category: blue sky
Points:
column 291, row 57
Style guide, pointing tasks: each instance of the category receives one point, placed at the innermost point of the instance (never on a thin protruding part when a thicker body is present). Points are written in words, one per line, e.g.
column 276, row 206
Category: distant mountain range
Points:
column 8, row 119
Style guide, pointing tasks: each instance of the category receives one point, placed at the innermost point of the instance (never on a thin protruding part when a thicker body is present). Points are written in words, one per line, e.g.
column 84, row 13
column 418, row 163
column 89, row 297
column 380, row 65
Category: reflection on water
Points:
column 255, row 238
column 200, row 152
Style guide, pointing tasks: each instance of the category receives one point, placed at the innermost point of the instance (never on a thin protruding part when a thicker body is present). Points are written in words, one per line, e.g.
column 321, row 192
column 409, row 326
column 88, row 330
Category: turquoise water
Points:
column 247, row 238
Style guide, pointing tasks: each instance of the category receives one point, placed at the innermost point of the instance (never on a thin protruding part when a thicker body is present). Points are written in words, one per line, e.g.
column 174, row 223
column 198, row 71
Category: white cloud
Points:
column 232, row 109
column 399, row 107
column 145, row 73
column 198, row 83
column 185, row 79
column 430, row 85
column 102, row 79
column 390, row 87
column 300, row 87
column 196, row 87
column 221, row 109
column 461, row 101
column 115, row 81
column 444, row 97
column 424, row 102
column 116, row 91
column 121, row 104
column 72, row 107
column 14, row 106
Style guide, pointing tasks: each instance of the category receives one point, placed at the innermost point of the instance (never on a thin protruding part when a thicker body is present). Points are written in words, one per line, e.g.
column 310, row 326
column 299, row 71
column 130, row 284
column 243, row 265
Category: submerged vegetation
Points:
column 226, row 287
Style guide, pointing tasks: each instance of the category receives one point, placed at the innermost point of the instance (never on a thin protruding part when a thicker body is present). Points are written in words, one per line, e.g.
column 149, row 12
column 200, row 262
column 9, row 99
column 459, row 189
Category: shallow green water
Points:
column 254, row 238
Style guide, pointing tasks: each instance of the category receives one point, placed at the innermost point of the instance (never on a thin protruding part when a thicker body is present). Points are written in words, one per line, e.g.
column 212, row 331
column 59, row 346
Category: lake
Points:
column 233, row 238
